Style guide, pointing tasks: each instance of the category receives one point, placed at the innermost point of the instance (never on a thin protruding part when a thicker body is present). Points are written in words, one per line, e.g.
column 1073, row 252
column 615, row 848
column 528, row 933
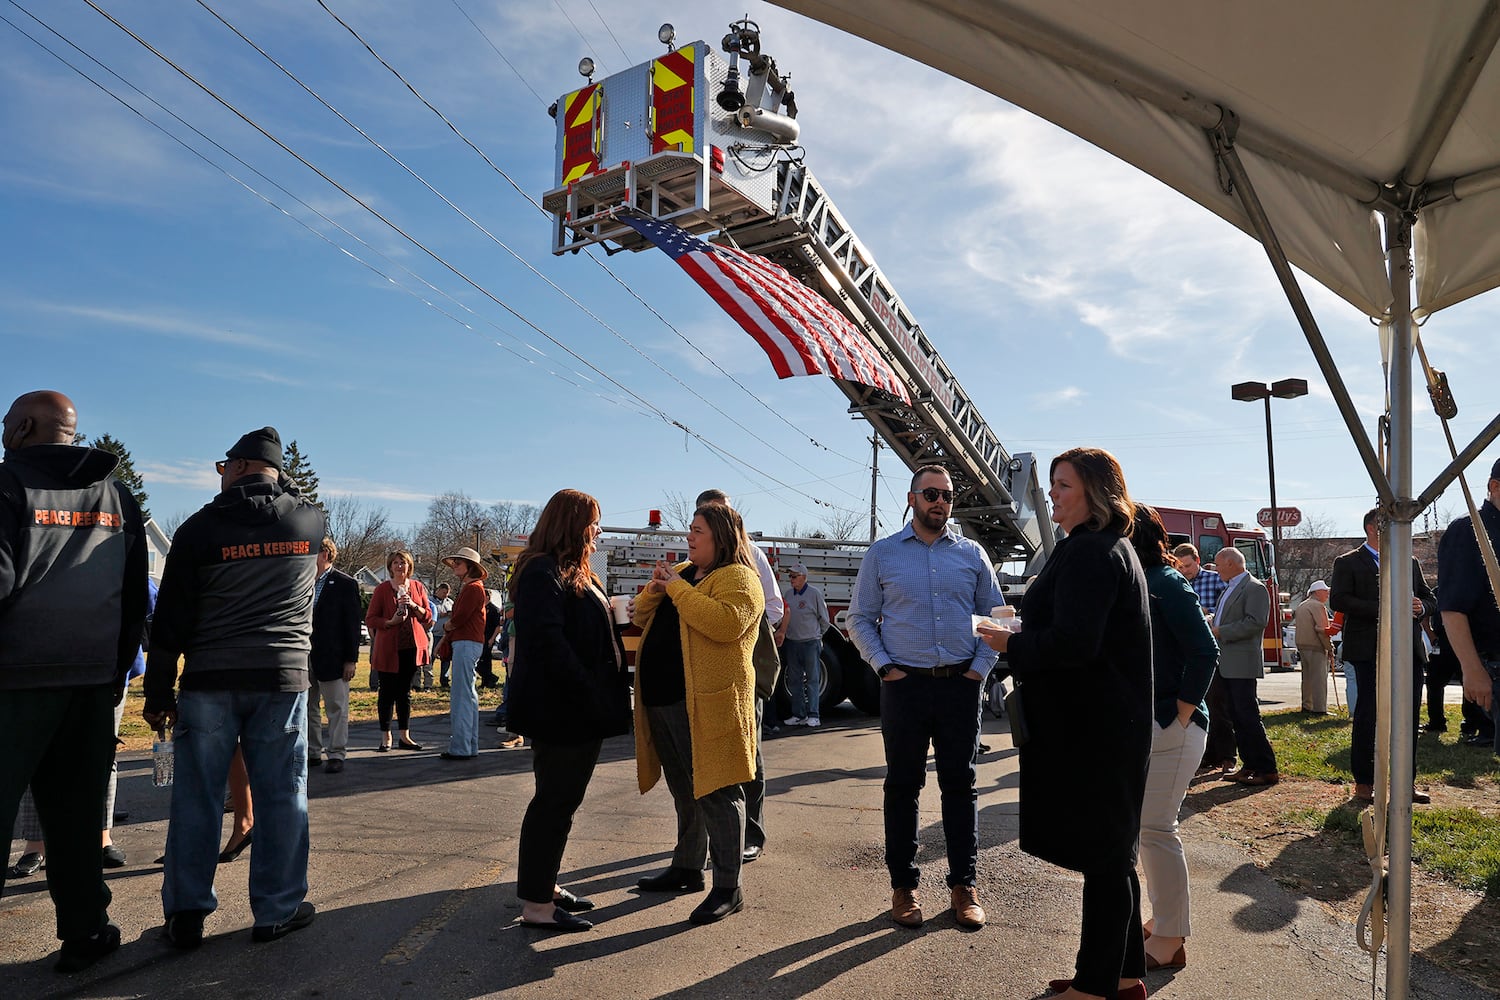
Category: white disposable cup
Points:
column 620, row 605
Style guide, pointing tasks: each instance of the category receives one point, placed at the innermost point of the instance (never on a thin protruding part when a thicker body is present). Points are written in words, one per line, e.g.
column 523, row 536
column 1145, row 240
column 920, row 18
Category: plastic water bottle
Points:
column 162, row 759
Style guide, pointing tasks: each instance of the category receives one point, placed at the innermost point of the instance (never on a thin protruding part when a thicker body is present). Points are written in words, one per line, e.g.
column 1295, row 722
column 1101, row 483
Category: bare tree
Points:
column 845, row 525
column 677, row 511
column 172, row 522
column 1307, row 554
column 511, row 518
column 363, row 534
column 454, row 519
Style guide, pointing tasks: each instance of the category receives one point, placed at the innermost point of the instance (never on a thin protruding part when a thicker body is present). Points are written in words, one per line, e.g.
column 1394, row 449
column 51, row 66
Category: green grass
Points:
column 1461, row 845
column 136, row 736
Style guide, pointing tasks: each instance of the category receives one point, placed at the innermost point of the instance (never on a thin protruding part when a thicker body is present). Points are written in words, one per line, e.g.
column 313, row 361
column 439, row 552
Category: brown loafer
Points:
column 966, row 908
column 906, row 909
column 1260, row 779
column 1239, row 776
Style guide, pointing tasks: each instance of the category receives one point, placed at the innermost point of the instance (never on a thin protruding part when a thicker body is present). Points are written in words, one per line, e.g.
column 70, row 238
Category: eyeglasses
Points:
column 931, row 494
column 220, row 466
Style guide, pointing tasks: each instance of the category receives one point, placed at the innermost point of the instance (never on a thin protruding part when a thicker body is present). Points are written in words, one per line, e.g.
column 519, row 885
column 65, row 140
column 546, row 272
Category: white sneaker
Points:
column 813, row 723
column 793, row 721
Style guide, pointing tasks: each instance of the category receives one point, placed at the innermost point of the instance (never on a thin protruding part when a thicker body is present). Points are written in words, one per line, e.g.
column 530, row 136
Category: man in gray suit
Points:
column 1239, row 624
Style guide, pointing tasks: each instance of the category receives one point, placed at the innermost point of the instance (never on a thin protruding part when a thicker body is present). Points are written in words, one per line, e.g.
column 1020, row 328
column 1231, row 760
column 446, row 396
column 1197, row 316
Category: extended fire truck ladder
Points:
column 678, row 139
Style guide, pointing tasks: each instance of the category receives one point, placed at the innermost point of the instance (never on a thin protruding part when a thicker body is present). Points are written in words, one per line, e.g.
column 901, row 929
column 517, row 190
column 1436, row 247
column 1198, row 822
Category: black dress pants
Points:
column 1111, row 945
column 1221, row 745
column 61, row 741
column 562, row 772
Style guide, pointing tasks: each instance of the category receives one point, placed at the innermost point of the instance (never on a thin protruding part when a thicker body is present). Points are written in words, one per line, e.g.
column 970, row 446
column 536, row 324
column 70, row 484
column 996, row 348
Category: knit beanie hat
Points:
column 263, row 445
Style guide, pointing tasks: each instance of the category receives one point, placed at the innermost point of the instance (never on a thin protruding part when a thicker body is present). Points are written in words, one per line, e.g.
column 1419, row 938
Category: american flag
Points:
column 798, row 329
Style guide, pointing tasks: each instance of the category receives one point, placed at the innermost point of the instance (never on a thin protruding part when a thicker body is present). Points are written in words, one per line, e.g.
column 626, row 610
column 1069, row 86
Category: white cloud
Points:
column 168, row 322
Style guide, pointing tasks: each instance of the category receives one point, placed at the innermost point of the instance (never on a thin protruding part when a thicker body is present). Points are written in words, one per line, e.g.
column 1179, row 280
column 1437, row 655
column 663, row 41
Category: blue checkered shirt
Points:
column 913, row 601
column 1209, row 586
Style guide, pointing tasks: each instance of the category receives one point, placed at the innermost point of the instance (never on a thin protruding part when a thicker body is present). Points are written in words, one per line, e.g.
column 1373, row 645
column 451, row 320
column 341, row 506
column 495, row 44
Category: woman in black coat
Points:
column 568, row 694
column 1082, row 663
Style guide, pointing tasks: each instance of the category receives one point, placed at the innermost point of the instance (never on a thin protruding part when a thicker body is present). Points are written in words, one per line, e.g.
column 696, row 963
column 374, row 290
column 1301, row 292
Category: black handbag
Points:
column 1015, row 707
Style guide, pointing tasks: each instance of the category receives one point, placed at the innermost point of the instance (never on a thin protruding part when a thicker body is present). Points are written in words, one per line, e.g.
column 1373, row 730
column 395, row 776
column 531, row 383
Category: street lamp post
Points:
column 1245, row 392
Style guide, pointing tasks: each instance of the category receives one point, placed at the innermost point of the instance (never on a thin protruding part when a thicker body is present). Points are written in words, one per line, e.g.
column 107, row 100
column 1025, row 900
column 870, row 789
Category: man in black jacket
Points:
column 72, row 601
column 1355, row 591
column 236, row 600
column 337, row 615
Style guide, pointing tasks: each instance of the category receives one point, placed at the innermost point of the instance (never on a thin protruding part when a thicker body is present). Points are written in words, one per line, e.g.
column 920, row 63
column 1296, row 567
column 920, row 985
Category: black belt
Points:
column 948, row 670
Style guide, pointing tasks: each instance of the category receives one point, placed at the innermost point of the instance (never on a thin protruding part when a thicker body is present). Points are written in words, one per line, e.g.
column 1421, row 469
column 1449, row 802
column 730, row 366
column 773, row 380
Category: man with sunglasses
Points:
column 910, row 619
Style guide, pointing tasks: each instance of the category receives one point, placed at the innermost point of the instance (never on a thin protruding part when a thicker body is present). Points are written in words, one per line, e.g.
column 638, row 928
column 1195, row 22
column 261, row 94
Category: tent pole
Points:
column 1398, row 635
column 1456, row 467
column 1224, row 149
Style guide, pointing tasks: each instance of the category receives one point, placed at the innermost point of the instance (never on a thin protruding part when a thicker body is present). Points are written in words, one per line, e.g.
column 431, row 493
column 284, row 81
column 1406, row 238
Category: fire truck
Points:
column 1210, row 532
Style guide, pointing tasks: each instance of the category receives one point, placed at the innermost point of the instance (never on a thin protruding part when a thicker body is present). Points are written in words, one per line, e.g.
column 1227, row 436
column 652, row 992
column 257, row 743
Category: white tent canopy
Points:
column 1356, row 139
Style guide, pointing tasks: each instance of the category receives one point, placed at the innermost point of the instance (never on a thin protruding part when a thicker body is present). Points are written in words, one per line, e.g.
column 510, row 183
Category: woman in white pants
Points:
column 1184, row 654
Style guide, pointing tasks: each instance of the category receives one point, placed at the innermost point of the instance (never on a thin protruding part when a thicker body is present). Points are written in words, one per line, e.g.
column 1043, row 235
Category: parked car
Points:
column 364, row 634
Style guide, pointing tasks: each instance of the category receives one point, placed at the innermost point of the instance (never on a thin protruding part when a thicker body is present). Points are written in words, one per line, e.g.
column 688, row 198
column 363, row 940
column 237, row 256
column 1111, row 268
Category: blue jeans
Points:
column 271, row 726
column 944, row 712
column 463, row 706
column 804, row 672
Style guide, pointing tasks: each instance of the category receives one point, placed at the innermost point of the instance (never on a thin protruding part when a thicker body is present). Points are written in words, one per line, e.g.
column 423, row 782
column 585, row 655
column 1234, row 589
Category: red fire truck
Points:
column 1210, row 533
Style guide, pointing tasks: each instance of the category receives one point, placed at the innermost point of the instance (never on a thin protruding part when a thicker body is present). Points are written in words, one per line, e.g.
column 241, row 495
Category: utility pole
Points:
column 874, row 481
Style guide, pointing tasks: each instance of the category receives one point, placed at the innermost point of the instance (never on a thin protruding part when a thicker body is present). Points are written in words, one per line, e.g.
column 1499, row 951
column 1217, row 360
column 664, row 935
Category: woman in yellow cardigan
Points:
column 695, row 703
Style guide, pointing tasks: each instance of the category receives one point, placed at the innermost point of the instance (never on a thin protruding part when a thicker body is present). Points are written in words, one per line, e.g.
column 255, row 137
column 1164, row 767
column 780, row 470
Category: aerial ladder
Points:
column 707, row 140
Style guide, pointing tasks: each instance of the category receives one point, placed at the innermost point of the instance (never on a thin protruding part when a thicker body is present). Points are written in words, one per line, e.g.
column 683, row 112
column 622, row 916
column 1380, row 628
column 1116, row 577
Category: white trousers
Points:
column 333, row 696
column 1175, row 754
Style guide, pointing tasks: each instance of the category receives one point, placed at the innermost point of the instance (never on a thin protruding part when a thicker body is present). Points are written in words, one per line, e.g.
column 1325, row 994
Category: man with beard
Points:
column 910, row 619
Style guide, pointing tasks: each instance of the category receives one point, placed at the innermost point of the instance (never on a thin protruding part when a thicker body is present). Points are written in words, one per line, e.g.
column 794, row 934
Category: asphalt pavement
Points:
column 413, row 868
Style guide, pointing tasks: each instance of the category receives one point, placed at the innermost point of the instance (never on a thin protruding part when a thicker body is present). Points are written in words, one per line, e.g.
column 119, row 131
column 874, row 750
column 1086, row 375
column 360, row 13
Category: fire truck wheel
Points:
column 861, row 685
column 832, row 692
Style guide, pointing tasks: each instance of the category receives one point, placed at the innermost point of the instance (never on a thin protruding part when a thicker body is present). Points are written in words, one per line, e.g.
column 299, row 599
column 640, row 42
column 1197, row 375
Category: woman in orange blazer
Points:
column 398, row 620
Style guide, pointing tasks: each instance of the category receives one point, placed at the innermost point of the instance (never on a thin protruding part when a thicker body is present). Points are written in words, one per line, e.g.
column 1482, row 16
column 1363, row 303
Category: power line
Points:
column 586, row 44
column 262, row 197
column 628, row 61
column 468, row 142
column 652, row 408
column 507, row 62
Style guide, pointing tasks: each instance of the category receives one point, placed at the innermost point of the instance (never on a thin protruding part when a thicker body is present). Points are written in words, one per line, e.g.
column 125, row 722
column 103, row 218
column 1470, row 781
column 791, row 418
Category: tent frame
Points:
column 1400, row 202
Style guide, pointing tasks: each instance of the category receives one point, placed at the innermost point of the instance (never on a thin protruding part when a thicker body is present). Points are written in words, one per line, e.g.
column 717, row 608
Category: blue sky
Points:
column 1079, row 301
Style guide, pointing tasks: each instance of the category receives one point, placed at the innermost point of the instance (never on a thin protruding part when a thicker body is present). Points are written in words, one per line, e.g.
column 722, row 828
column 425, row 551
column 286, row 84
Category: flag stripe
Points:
column 800, row 331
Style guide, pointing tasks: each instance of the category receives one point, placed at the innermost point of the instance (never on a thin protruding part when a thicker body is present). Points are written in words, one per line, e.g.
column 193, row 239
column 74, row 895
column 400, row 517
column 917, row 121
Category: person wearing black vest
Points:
column 72, row 603
column 236, row 604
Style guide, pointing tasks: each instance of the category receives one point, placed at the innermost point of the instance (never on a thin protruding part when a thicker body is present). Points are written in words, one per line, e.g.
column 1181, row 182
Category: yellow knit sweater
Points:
column 720, row 618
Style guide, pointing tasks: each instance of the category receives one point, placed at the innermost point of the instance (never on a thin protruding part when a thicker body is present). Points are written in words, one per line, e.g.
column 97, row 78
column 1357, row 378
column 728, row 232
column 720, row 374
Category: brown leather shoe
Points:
column 1237, row 776
column 1363, row 793
column 906, row 909
column 1259, row 779
column 966, row 908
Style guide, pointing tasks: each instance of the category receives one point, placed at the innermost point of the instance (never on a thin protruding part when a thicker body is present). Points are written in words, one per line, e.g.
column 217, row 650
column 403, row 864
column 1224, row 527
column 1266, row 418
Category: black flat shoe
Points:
column 562, row 922
column 673, row 880
column 76, row 956
column 718, row 904
column 232, row 850
column 411, row 745
column 382, row 749
column 29, row 864
column 752, row 853
column 114, row 857
column 573, row 904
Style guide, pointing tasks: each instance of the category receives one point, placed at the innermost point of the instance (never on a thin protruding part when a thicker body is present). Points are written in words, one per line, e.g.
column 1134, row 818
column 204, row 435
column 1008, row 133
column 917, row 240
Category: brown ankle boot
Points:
column 966, row 908
column 906, row 909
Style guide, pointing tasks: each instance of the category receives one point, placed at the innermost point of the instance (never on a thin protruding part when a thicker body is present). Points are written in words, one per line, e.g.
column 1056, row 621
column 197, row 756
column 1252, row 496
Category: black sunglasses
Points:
column 931, row 494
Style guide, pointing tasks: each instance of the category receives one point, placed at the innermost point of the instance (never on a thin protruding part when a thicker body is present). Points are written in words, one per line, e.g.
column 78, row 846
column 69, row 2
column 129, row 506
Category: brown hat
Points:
column 263, row 445
column 471, row 556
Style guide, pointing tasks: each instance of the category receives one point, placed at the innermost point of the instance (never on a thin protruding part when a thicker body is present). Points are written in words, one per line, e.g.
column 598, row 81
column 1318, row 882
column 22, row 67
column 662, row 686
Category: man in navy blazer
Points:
column 1240, row 625
column 1355, row 590
column 337, row 614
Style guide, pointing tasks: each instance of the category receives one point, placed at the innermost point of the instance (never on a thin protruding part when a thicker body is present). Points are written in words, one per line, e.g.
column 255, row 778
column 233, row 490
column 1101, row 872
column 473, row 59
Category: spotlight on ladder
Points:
column 667, row 34
column 586, row 68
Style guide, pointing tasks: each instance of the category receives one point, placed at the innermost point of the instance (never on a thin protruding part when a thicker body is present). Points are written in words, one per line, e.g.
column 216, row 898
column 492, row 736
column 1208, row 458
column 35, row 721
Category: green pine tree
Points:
column 125, row 471
column 296, row 467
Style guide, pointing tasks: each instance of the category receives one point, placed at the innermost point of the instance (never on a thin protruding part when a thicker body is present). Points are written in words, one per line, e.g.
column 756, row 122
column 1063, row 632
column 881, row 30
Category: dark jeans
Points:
column 1362, row 743
column 1111, row 945
column 485, row 668
column 395, row 692
column 1249, row 732
column 61, row 741
column 1221, row 745
column 562, row 772
column 914, row 712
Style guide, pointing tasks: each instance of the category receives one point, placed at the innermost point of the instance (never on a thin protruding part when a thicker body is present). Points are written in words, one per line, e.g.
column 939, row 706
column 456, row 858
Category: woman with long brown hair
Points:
column 695, row 703
column 1082, row 664
column 398, row 619
column 569, row 692
column 1183, row 656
